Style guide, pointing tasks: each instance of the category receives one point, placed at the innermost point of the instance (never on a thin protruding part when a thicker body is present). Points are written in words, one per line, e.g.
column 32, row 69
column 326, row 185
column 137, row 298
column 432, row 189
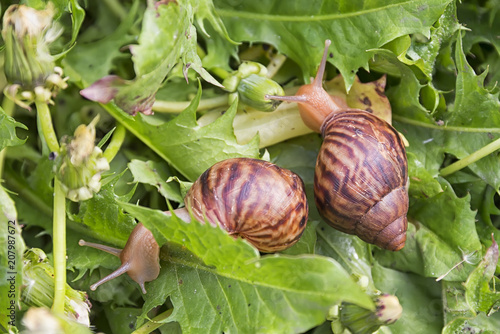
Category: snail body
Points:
column 249, row 198
column 361, row 173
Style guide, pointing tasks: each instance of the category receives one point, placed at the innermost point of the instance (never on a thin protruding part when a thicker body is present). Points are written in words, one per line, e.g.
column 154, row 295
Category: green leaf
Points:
column 483, row 23
column 474, row 107
column 189, row 148
column 424, row 53
column 167, row 36
column 422, row 183
column 88, row 62
column 480, row 286
column 155, row 174
column 103, row 218
column 299, row 30
column 350, row 251
column 8, row 136
column 238, row 290
column 480, row 324
column 441, row 233
column 405, row 97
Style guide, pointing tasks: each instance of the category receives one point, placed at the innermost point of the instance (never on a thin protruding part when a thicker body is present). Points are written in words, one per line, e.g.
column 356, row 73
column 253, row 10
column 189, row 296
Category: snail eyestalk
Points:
column 315, row 104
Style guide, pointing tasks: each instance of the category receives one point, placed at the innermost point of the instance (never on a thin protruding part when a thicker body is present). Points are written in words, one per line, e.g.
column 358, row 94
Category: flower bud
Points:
column 249, row 67
column 252, row 91
column 362, row 321
column 38, row 287
column 27, row 34
column 80, row 163
column 43, row 320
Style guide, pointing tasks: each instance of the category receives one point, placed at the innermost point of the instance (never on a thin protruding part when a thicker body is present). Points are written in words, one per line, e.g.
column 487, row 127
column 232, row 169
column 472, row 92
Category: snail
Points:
column 361, row 173
column 250, row 198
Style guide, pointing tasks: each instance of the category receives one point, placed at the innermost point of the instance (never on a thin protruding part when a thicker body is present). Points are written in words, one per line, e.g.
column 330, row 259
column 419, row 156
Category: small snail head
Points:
column 140, row 257
column 315, row 104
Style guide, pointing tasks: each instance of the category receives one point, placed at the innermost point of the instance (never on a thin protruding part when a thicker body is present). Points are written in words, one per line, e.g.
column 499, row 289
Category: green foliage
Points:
column 8, row 135
column 293, row 28
column 181, row 140
column 242, row 277
column 440, row 60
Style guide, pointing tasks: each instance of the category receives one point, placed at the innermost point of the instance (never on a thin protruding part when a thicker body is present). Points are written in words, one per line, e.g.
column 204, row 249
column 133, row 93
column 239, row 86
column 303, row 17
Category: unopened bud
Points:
column 253, row 89
column 362, row 321
column 38, row 287
column 80, row 164
column 28, row 66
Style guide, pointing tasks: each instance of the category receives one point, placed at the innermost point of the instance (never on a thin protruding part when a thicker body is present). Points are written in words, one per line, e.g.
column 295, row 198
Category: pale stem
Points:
column 177, row 107
column 276, row 62
column 115, row 143
column 479, row 154
column 154, row 323
column 59, row 248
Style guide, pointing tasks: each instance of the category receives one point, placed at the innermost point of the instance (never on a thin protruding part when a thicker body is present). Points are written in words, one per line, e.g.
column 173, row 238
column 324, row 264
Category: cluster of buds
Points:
column 80, row 163
column 38, row 288
column 251, row 85
column 29, row 67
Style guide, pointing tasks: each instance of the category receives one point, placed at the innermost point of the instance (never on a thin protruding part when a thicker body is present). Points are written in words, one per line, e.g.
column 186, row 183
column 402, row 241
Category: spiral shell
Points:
column 253, row 199
column 360, row 182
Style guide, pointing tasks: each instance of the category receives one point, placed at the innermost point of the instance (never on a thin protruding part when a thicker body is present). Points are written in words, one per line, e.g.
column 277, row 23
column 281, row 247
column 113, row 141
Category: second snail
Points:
column 361, row 174
column 249, row 198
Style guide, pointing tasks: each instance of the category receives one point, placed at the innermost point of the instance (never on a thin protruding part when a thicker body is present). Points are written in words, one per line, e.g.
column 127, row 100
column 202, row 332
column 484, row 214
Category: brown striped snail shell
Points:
column 253, row 199
column 360, row 183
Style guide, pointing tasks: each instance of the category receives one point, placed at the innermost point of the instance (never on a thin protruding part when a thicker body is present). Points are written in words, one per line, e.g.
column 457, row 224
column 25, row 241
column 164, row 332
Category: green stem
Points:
column 177, row 107
column 220, row 72
column 8, row 107
column 479, row 154
column 59, row 248
column 59, row 219
column 116, row 8
column 155, row 323
column 444, row 127
column 115, row 143
column 48, row 132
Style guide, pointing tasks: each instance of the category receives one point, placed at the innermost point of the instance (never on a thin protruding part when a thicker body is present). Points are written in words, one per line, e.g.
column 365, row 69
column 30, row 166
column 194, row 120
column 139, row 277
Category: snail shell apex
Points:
column 361, row 176
column 253, row 199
